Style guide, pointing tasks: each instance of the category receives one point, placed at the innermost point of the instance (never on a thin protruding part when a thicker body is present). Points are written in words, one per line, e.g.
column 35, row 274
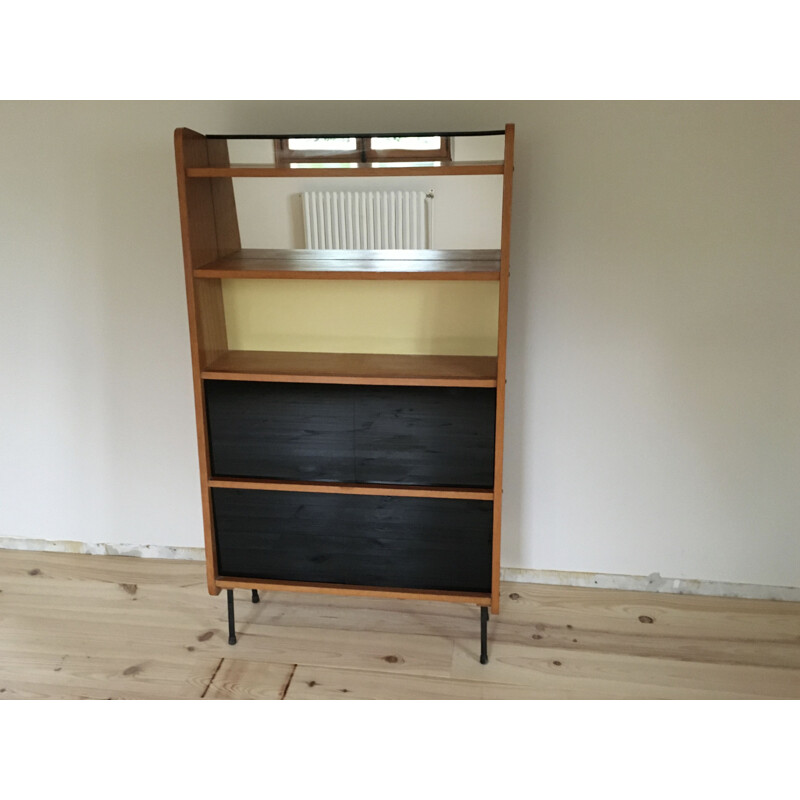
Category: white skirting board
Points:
column 637, row 583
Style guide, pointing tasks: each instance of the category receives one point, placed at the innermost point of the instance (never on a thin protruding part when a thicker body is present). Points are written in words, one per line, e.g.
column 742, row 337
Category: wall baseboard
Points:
column 652, row 583
column 636, row 583
column 87, row 548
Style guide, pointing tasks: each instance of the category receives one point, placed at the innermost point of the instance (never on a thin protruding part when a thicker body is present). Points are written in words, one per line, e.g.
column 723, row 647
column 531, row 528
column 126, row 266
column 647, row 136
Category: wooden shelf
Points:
column 268, row 136
column 473, row 598
column 361, row 171
column 354, row 368
column 465, row 265
column 382, row 490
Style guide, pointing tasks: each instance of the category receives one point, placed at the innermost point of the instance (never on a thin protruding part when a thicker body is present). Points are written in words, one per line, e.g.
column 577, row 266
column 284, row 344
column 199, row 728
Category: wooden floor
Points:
column 76, row 626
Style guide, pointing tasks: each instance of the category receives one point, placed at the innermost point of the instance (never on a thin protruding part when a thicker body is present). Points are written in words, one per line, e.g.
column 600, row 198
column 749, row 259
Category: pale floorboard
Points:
column 99, row 627
column 249, row 680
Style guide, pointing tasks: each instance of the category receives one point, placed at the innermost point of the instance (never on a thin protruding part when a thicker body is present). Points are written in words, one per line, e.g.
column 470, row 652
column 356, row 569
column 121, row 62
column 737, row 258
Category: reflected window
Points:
column 351, row 151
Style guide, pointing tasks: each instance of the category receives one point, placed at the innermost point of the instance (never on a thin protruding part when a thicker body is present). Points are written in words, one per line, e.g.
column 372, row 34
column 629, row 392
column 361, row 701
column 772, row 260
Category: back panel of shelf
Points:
column 403, row 317
column 431, row 317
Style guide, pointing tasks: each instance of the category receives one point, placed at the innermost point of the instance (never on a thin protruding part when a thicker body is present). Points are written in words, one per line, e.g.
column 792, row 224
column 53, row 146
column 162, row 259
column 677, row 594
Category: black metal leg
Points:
column 231, row 621
column 256, row 598
column 484, row 621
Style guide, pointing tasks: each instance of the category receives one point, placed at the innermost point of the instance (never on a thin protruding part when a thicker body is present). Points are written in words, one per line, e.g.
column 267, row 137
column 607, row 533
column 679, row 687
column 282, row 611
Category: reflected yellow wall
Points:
column 352, row 316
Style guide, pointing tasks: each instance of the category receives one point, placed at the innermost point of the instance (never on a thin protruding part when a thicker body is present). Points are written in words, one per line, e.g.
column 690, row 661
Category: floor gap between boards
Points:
column 211, row 680
column 288, row 683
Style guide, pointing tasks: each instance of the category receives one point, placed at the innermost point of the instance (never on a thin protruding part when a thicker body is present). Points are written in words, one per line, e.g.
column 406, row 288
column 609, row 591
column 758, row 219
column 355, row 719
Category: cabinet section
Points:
column 350, row 402
column 357, row 540
column 280, row 430
column 407, row 435
column 427, row 436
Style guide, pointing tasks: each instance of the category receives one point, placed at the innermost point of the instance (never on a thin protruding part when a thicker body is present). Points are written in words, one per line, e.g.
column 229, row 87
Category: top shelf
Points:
column 360, row 171
column 348, row 135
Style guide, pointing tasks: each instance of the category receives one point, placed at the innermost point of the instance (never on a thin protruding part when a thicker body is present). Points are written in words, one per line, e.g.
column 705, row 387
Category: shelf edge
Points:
column 252, row 171
column 271, row 274
column 440, row 595
column 347, row 380
column 377, row 489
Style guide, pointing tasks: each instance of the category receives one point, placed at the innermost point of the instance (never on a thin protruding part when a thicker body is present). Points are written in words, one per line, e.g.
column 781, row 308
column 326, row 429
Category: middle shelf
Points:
column 353, row 368
column 471, row 265
column 376, row 489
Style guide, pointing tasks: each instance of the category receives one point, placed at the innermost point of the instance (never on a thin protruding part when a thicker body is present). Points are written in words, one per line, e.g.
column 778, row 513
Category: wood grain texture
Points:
column 329, row 683
column 502, row 339
column 349, row 135
column 207, row 332
column 356, row 264
column 361, row 171
column 386, row 490
column 354, row 368
column 249, row 680
column 225, row 217
column 78, row 626
column 36, row 676
column 354, row 540
column 348, row 590
column 412, row 435
column 608, row 675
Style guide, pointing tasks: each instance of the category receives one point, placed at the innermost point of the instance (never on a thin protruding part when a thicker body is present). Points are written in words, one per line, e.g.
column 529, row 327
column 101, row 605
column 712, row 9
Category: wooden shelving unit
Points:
column 342, row 473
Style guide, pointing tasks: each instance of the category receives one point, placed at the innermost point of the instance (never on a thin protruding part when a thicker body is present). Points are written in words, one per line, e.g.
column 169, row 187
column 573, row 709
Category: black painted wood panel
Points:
column 410, row 542
column 411, row 435
column 287, row 431
column 429, row 436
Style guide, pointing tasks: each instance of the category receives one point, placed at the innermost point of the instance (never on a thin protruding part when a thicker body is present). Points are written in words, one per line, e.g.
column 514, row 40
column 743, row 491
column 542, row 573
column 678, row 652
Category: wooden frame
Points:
column 212, row 251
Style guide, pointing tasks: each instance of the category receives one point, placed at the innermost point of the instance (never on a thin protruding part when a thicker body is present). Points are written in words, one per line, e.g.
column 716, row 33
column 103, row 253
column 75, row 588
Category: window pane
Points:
column 406, row 142
column 322, row 165
column 323, row 144
column 401, row 164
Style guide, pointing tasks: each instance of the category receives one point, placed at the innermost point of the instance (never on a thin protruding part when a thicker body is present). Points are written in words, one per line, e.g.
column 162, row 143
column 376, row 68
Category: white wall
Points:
column 654, row 372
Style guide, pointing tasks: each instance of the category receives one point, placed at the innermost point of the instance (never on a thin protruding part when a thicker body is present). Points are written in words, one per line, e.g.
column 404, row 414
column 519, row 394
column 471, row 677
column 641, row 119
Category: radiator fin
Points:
column 400, row 220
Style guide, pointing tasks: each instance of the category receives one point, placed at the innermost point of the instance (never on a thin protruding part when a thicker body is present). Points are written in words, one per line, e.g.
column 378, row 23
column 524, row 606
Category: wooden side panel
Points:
column 502, row 335
column 204, row 300
column 227, row 223
column 197, row 204
column 212, row 337
column 199, row 229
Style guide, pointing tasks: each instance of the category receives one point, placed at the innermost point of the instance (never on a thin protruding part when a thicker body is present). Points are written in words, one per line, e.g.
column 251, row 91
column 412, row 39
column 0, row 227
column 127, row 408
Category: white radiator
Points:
column 368, row 220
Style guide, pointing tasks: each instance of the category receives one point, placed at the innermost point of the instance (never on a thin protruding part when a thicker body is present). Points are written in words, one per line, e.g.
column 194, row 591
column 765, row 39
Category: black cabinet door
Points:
column 411, row 435
column 286, row 431
column 426, row 436
column 358, row 540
